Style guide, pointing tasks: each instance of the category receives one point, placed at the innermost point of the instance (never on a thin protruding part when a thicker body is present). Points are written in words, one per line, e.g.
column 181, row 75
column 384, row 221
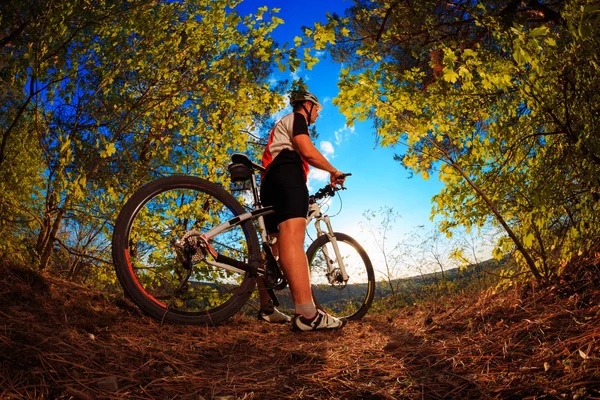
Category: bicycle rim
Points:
column 351, row 299
column 154, row 273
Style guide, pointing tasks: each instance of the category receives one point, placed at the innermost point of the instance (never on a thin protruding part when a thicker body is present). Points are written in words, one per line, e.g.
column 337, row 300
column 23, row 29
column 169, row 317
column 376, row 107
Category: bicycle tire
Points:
column 149, row 267
column 353, row 299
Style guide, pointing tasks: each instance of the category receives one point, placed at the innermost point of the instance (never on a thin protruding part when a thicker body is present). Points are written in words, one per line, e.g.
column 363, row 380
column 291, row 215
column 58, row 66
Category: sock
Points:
column 308, row 310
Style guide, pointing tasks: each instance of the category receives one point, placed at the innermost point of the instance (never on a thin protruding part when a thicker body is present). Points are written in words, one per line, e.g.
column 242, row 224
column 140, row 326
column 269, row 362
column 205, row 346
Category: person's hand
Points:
column 337, row 179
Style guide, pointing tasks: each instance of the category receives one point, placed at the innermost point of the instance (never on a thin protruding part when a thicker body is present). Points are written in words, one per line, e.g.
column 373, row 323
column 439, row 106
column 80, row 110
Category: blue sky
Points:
column 377, row 180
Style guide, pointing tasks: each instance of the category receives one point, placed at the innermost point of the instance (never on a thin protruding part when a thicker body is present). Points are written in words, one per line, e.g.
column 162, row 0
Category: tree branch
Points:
column 385, row 18
column 83, row 255
column 7, row 39
column 20, row 112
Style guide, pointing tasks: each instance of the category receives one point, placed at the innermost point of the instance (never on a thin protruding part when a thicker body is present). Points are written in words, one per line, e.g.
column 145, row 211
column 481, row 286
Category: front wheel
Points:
column 350, row 299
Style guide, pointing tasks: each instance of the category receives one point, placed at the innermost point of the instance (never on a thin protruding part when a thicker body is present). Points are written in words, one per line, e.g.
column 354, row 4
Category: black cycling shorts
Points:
column 284, row 188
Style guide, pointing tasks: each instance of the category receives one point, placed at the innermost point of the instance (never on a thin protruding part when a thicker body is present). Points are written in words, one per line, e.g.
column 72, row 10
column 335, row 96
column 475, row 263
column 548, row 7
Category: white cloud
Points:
column 248, row 197
column 316, row 179
column 281, row 113
column 296, row 74
column 326, row 148
column 342, row 133
column 319, row 54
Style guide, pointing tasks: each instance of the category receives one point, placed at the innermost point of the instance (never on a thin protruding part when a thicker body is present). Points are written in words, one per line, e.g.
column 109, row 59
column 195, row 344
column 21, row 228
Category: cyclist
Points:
column 287, row 157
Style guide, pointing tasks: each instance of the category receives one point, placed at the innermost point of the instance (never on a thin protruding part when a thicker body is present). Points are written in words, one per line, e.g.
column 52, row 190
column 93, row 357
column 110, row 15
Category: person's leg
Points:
column 284, row 187
column 295, row 265
column 263, row 295
column 265, row 299
column 267, row 311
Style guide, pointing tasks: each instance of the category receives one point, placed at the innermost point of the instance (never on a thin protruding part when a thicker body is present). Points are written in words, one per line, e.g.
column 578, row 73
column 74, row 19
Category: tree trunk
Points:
column 511, row 234
column 73, row 268
column 43, row 235
column 49, row 245
column 492, row 206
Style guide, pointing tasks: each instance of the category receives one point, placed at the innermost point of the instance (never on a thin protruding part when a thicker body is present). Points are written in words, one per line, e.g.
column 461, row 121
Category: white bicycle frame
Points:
column 314, row 213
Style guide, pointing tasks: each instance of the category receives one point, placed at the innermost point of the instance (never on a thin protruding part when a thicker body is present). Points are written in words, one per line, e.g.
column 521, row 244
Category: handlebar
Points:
column 326, row 191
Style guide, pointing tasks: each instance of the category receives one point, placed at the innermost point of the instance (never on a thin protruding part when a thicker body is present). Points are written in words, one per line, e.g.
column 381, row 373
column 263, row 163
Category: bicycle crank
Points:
column 273, row 277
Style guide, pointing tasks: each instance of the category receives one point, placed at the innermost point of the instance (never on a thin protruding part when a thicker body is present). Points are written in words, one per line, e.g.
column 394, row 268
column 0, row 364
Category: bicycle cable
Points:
column 324, row 204
column 341, row 206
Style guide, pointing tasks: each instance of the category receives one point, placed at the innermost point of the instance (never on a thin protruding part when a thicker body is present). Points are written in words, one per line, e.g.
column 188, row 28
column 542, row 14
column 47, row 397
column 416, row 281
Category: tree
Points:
column 109, row 94
column 499, row 99
column 379, row 224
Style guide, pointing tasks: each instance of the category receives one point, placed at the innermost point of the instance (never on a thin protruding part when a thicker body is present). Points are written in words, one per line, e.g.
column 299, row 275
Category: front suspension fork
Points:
column 338, row 256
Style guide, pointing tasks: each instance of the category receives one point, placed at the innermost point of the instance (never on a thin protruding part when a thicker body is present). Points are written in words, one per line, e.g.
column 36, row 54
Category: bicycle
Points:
column 186, row 251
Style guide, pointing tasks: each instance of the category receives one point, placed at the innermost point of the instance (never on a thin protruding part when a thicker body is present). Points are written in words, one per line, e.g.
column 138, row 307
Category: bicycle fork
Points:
column 331, row 271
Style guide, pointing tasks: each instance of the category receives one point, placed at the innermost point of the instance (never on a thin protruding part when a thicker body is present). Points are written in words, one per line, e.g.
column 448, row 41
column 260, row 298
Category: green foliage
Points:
column 499, row 99
column 20, row 203
column 98, row 98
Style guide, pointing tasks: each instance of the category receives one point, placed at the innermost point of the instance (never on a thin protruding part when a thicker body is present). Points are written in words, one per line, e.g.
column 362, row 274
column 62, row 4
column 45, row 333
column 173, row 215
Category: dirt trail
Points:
column 59, row 340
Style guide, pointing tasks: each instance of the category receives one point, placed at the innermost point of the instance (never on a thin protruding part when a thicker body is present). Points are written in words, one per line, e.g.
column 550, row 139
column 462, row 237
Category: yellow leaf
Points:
column 108, row 151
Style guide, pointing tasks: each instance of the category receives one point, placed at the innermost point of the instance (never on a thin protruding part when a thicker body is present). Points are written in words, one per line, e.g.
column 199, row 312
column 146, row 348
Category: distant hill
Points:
column 460, row 277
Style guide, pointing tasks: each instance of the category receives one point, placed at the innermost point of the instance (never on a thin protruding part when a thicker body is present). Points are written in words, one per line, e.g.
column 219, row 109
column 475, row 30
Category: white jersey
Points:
column 280, row 139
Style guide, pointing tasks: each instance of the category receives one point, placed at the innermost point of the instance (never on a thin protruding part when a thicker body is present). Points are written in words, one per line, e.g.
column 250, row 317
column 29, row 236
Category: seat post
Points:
column 238, row 158
column 255, row 192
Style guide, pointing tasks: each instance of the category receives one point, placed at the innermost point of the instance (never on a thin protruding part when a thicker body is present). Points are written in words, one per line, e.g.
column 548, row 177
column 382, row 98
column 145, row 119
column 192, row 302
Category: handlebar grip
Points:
column 328, row 190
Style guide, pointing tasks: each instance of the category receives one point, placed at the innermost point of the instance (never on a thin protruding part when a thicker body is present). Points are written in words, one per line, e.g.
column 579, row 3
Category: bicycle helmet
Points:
column 303, row 95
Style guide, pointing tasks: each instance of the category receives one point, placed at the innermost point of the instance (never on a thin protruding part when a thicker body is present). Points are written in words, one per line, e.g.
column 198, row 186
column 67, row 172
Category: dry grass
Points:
column 59, row 340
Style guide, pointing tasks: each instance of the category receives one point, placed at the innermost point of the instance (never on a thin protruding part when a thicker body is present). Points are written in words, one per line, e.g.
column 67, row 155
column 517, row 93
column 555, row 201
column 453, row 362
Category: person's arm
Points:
column 309, row 152
column 313, row 157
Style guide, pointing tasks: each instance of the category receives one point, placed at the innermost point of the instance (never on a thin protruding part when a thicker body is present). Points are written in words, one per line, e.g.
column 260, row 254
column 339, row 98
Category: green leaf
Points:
column 450, row 75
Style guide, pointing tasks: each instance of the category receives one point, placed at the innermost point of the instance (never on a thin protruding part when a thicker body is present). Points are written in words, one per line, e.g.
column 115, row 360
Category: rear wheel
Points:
column 157, row 275
column 350, row 299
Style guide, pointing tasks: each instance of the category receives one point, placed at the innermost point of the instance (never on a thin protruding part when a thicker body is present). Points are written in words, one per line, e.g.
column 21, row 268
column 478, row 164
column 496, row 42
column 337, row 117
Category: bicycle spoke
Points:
column 158, row 265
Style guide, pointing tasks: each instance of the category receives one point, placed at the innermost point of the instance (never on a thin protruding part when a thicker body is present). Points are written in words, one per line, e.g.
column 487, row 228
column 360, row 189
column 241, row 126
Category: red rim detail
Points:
column 137, row 283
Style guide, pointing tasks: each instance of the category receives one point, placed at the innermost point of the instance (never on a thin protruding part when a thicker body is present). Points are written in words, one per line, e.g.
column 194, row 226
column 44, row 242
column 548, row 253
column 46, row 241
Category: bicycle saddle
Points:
column 238, row 158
